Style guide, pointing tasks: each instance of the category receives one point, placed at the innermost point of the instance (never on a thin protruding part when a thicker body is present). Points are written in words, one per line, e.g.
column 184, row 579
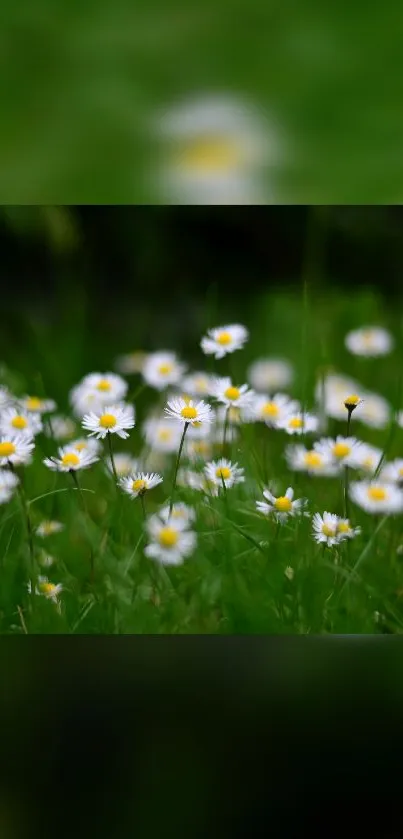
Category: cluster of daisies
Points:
column 197, row 417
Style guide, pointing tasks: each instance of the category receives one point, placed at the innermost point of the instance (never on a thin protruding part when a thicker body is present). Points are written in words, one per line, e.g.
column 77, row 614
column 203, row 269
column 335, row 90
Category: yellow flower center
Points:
column 270, row 409
column 295, row 422
column 107, row 421
column 343, row 527
column 201, row 447
column 164, row 435
column 188, row 413
column 223, row 472
column 341, row 450
column 224, row 338
column 201, row 384
column 377, row 493
column 6, row 449
column 70, row 459
column 79, row 447
column 368, row 337
column 178, row 514
column 103, row 385
column 33, row 403
column 209, row 155
column 47, row 527
column 46, row 588
column 368, row 463
column 327, row 530
column 352, row 401
column 168, row 537
column 19, row 422
column 283, row 504
column 400, row 473
column 232, row 393
column 313, row 459
column 138, row 485
column 164, row 369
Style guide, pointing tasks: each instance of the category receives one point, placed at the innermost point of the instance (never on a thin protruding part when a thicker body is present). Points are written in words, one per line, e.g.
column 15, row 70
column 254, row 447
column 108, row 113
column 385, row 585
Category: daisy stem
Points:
column 77, row 484
column 115, row 475
column 143, row 506
column 25, row 507
column 348, row 422
column 225, row 495
column 171, row 503
column 224, row 441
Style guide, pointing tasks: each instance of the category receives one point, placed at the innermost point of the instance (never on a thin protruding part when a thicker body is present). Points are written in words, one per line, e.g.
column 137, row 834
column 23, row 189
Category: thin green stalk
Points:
column 28, row 524
column 74, row 476
column 143, row 506
column 364, row 553
column 186, row 426
column 346, row 475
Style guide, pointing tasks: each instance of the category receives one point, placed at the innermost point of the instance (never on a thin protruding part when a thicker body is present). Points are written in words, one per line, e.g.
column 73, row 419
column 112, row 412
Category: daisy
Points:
column 267, row 374
column 6, row 398
column 224, row 339
column 365, row 457
column 300, row 459
column 369, row 341
column 113, row 420
column 46, row 560
column 70, row 460
column 170, row 543
column 83, row 400
column 125, row 464
column 47, row 589
column 60, row 428
column 377, row 496
column 197, row 481
column 189, row 412
column 299, row 423
column 231, row 395
column 373, row 410
column 131, row 362
column 392, row 471
column 222, row 471
column 161, row 369
column 16, row 449
column 197, row 384
column 14, row 421
column 109, row 387
column 346, row 531
column 281, row 507
column 162, row 434
column 340, row 450
column 325, row 529
column 181, row 514
column 37, row 405
column 199, row 449
column 48, row 528
column 140, row 483
column 85, row 444
column 272, row 409
column 8, row 483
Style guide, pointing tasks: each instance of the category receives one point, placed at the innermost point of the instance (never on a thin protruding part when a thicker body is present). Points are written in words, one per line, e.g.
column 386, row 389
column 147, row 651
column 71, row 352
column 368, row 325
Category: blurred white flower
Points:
column 269, row 374
column 369, row 341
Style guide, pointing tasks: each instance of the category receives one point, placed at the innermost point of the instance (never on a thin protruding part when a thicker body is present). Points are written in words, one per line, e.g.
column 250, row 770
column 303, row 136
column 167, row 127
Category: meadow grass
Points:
column 235, row 581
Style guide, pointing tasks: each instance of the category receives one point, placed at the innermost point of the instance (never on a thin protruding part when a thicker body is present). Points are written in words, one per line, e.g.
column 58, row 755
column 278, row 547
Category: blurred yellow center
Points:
column 19, row 422
column 283, row 504
column 270, row 409
column 164, row 435
column 368, row 338
column 46, row 588
column 188, row 413
column 313, row 459
column 224, row 338
column 79, row 447
column 6, row 449
column 377, row 494
column 33, row 403
column 343, row 527
column 295, row 422
column 341, row 450
column 201, row 385
column 138, row 485
column 103, row 385
column 178, row 514
column 368, row 463
column 168, row 537
column 107, row 421
column 327, row 530
column 164, row 369
column 223, row 472
column 232, row 393
column 401, row 472
column 47, row 527
column 70, row 459
column 201, row 447
column 210, row 155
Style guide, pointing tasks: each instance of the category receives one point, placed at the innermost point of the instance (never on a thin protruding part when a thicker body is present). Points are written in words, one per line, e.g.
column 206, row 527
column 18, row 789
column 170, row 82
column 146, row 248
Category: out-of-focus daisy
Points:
column 125, row 464
column 369, row 341
column 281, row 507
column 15, row 421
column 8, row 483
column 140, row 483
column 109, row 387
column 170, row 543
column 197, row 481
column 217, row 148
column 83, row 400
column 70, row 460
column 181, row 514
column 345, row 529
column 114, row 419
column 6, row 398
column 300, row 459
column 272, row 409
column 299, row 423
column 365, row 457
column 331, row 392
column 162, row 434
column 392, row 471
column 197, row 384
column 46, row 560
column 222, row 471
column 60, row 428
column 130, row 363
column 85, row 444
column 231, row 416
column 268, row 374
column 15, row 448
column 325, row 528
column 198, row 449
column 377, row 496
column 37, row 405
column 47, row 589
column 289, row 573
column 231, row 395
column 373, row 410
column 162, row 369
column 341, row 449
column 48, row 527
column 187, row 411
column 224, row 339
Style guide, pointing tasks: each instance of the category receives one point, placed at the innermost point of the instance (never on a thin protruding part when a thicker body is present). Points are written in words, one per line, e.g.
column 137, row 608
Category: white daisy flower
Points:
column 83, row 400
column 8, row 482
column 48, row 527
column 369, row 341
column 15, row 421
column 377, row 496
column 85, row 444
column 222, row 471
column 346, row 531
column 332, row 391
column 341, row 450
column 281, row 507
column 187, row 411
column 170, row 544
column 231, row 395
column 140, row 483
column 325, row 529
column 392, row 472
column 196, row 450
column 37, row 405
column 197, row 481
column 60, row 428
column 365, row 457
column 197, row 384
column 182, row 515
column 46, row 560
column 125, row 464
column 272, row 409
column 162, row 434
column 300, row 459
column 109, row 387
column 114, row 419
column 224, row 339
column 268, row 374
column 373, row 411
column 16, row 449
column 47, row 589
column 70, row 460
column 130, row 363
column 299, row 423
column 162, row 369
column 6, row 398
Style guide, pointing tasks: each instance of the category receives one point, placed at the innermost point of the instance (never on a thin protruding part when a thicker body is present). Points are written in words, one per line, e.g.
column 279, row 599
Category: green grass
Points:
column 235, row 581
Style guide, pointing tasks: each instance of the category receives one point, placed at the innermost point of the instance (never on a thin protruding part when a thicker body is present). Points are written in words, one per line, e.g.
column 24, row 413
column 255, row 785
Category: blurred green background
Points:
column 82, row 84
